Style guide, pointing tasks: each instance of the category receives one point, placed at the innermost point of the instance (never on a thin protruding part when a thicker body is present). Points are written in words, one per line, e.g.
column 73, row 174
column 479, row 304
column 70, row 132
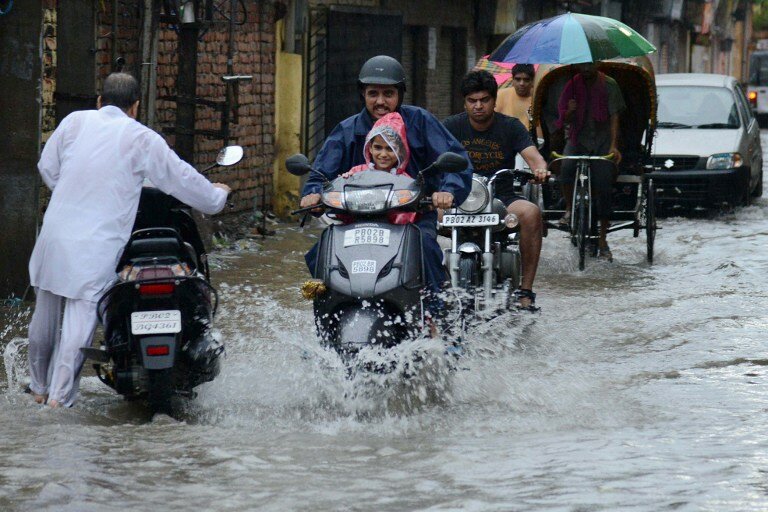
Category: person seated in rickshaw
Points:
column 492, row 141
column 589, row 109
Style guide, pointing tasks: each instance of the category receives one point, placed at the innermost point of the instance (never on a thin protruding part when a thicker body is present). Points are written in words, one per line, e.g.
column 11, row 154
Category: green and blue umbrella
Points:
column 570, row 39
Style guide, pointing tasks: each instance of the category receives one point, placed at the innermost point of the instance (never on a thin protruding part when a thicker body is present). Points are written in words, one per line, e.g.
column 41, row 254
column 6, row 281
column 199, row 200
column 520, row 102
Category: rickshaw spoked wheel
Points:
column 582, row 230
column 650, row 218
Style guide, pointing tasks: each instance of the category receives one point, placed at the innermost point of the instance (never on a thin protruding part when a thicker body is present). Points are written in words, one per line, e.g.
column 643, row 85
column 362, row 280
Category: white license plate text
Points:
column 156, row 322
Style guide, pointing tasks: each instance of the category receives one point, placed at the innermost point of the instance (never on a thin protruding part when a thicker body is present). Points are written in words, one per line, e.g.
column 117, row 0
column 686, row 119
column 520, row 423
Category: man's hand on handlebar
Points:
column 540, row 176
column 616, row 155
column 442, row 200
column 223, row 187
column 311, row 200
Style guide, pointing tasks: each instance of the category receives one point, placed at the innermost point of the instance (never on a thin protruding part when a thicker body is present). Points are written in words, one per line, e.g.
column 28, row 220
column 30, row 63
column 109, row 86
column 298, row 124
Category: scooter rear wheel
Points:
column 160, row 391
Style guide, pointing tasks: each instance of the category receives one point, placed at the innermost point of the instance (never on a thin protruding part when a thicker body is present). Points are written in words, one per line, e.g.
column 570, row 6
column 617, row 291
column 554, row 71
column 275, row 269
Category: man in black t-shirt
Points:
column 492, row 140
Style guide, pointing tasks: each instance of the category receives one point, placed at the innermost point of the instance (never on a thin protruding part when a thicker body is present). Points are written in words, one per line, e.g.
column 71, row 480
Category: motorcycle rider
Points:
column 381, row 83
column 492, row 140
column 94, row 163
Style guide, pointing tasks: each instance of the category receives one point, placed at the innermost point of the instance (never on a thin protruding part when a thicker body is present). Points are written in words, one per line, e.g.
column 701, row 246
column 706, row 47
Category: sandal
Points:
column 528, row 296
column 565, row 220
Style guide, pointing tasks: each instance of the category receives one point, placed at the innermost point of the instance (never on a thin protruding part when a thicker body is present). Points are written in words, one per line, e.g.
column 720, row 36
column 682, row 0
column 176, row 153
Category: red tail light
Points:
column 158, row 350
column 752, row 96
column 156, row 288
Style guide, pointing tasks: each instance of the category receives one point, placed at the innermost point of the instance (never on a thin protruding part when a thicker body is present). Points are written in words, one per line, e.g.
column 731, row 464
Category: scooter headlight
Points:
column 401, row 197
column 366, row 200
column 477, row 199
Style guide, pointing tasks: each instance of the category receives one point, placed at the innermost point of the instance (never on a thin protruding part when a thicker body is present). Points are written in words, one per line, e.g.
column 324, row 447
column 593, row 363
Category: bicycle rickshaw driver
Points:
column 631, row 200
column 589, row 109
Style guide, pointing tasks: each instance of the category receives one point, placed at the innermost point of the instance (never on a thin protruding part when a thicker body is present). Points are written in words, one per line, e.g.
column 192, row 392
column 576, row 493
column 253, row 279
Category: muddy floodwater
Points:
column 637, row 388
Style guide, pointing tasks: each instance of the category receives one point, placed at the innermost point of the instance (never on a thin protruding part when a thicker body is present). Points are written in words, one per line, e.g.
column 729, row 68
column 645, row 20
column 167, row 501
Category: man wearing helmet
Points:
column 382, row 85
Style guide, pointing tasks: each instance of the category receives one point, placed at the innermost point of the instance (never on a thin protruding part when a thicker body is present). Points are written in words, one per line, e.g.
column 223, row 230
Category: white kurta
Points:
column 95, row 163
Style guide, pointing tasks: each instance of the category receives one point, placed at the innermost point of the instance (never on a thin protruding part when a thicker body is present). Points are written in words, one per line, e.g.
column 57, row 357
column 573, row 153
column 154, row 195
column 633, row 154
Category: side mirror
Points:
column 451, row 163
column 298, row 164
column 229, row 155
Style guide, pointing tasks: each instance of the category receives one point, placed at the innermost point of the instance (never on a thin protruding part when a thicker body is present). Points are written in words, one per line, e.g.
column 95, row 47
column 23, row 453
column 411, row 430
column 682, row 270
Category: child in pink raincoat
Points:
column 386, row 149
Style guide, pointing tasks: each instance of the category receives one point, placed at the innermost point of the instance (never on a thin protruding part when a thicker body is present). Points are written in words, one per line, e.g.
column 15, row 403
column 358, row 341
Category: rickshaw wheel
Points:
column 650, row 219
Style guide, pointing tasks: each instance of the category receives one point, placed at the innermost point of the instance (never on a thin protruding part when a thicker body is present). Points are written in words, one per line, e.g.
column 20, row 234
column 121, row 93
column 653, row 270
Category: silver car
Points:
column 707, row 151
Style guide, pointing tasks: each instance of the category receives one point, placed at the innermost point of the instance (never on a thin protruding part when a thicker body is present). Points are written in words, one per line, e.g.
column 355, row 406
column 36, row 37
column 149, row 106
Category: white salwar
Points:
column 59, row 328
column 95, row 163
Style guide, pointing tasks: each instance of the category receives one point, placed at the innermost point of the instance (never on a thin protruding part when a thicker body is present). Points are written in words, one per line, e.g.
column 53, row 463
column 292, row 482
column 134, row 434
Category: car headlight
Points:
column 477, row 199
column 725, row 161
column 366, row 199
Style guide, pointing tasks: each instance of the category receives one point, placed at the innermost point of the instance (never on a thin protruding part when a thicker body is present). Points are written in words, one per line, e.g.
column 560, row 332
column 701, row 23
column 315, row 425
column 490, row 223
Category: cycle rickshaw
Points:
column 633, row 198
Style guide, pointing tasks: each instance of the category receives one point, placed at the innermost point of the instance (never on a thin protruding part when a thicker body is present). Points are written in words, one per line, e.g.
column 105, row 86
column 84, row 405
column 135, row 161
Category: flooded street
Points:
column 637, row 388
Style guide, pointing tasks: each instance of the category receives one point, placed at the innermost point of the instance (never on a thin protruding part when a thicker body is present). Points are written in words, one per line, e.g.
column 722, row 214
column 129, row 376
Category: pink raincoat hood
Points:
column 391, row 127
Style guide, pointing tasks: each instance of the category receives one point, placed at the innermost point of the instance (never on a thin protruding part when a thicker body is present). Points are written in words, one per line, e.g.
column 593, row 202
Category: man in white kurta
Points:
column 95, row 163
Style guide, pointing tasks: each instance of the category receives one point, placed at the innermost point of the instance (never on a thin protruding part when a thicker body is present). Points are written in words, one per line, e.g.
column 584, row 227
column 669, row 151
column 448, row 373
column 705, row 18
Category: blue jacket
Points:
column 427, row 139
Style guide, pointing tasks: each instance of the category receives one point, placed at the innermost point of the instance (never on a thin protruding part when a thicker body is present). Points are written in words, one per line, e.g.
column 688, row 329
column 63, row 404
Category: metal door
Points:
column 341, row 40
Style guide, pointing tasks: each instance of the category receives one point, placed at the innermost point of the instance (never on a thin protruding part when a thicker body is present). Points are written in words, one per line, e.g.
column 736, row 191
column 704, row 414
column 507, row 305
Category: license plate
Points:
column 364, row 267
column 366, row 236
column 156, row 322
column 481, row 219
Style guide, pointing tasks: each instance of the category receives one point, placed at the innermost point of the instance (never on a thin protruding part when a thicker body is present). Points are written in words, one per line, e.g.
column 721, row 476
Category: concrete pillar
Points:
column 20, row 75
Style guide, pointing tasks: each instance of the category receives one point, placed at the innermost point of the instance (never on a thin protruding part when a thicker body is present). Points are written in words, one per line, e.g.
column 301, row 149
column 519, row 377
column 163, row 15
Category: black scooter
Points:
column 370, row 273
column 157, row 316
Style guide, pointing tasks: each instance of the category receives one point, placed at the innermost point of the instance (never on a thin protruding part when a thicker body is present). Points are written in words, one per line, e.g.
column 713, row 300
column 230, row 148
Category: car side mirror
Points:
column 298, row 164
column 229, row 155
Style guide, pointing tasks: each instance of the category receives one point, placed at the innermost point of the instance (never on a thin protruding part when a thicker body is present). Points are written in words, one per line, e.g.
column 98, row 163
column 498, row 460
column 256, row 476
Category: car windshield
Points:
column 696, row 107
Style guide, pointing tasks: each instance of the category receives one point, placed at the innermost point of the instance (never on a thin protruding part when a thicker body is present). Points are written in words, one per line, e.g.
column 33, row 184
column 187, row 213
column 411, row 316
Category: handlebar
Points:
column 526, row 174
column 558, row 156
column 424, row 202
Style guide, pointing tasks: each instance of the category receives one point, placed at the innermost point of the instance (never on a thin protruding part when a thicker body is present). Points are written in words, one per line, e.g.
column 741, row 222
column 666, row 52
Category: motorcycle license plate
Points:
column 156, row 322
column 480, row 219
column 366, row 236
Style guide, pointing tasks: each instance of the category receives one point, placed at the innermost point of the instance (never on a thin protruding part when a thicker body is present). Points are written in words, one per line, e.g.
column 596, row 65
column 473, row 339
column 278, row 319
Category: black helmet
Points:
column 382, row 70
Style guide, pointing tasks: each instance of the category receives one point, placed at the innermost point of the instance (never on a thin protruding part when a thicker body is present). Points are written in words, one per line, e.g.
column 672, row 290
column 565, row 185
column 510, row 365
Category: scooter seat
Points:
column 153, row 247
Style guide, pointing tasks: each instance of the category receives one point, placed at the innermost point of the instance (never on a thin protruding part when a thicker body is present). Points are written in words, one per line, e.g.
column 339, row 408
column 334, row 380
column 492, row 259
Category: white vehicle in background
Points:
column 757, row 86
column 707, row 150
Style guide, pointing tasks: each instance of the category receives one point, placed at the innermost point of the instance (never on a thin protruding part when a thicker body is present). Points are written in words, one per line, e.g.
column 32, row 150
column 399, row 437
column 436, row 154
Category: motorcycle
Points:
column 157, row 315
column 369, row 273
column 484, row 257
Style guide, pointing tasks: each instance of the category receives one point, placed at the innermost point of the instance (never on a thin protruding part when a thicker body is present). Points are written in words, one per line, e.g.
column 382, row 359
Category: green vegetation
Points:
column 760, row 15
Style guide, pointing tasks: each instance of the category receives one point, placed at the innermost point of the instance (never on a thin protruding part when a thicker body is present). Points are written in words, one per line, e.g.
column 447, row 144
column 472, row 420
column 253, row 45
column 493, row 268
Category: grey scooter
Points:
column 369, row 272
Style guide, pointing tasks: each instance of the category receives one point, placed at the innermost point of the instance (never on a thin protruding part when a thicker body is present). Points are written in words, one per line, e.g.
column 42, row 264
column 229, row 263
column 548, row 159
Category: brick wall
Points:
column 48, row 110
column 254, row 55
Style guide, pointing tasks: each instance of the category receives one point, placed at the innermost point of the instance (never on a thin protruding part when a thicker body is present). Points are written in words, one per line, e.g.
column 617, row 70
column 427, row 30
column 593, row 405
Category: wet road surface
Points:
column 638, row 388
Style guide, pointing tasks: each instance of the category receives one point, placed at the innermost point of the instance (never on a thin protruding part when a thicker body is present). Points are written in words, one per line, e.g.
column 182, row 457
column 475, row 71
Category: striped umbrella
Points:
column 502, row 71
column 570, row 39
